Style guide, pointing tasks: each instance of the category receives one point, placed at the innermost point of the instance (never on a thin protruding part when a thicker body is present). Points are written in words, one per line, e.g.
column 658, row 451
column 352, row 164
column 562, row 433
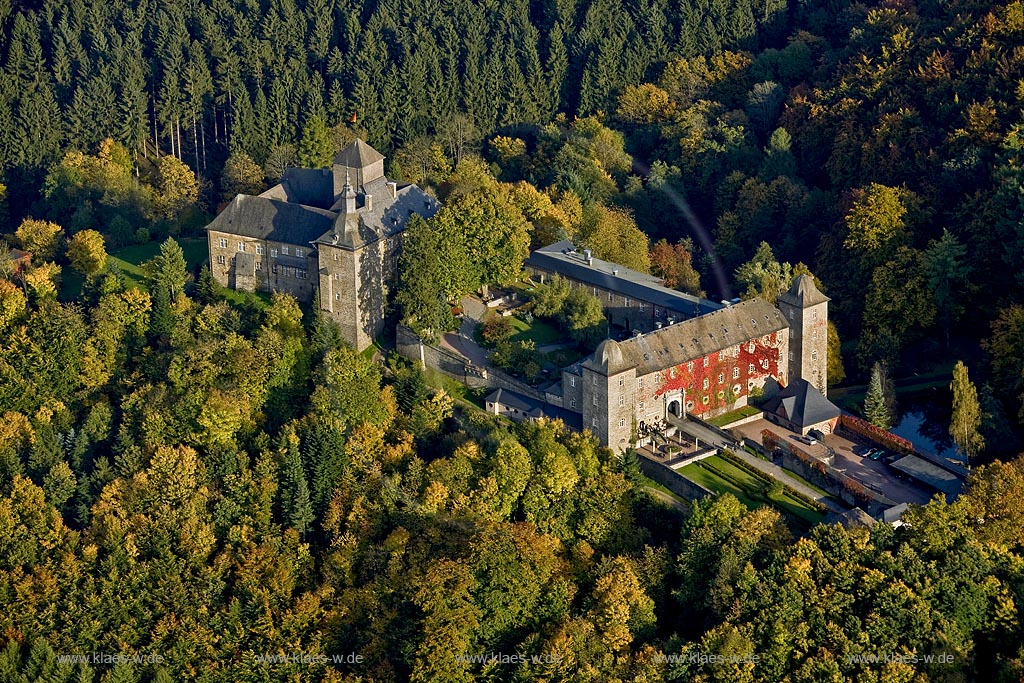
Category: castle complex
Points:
column 334, row 235
column 336, row 232
column 686, row 355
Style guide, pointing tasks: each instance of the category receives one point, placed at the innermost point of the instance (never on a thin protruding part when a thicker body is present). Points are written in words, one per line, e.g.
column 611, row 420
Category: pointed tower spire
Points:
column 349, row 195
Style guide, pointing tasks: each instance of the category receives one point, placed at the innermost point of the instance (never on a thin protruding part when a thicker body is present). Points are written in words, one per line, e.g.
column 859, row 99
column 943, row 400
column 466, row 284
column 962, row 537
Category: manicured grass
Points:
column 733, row 415
column 459, row 392
column 715, row 483
column 538, row 331
column 650, row 483
column 721, row 476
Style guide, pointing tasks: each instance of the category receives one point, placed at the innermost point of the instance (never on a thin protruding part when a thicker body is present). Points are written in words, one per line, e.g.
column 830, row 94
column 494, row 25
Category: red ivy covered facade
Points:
column 716, row 381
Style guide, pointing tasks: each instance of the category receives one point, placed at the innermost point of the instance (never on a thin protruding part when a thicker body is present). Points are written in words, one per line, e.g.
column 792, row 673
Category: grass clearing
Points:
column 130, row 259
column 753, row 490
column 539, row 332
column 734, row 415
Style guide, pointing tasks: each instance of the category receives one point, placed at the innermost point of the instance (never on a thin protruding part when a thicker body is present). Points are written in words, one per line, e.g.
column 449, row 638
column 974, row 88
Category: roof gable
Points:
column 803, row 293
column 272, row 219
column 358, row 154
column 802, row 404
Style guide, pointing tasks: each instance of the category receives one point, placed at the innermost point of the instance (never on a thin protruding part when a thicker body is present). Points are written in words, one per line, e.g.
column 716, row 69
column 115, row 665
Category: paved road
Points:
column 707, row 436
column 462, row 341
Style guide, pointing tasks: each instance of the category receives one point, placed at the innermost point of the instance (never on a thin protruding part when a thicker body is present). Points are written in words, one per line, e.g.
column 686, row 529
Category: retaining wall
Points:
column 459, row 367
column 673, row 481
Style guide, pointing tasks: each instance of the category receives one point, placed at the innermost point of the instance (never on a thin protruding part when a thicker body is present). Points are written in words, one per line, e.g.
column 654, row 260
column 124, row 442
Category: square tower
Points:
column 609, row 396
column 806, row 311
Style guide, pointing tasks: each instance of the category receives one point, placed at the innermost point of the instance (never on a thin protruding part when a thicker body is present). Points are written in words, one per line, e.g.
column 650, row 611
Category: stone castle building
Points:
column 686, row 355
column 336, row 232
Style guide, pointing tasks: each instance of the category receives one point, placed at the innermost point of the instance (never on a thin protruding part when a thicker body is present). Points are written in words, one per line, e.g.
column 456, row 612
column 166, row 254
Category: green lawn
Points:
column 721, row 476
column 647, row 481
column 733, row 415
column 715, row 483
column 130, row 259
column 538, row 331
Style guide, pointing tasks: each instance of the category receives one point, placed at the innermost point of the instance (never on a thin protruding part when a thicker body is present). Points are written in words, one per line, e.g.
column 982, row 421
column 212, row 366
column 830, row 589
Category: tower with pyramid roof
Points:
column 806, row 310
column 328, row 233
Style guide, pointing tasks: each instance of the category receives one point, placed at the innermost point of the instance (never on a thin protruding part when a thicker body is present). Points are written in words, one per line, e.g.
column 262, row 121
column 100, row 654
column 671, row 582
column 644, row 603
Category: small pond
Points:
column 923, row 417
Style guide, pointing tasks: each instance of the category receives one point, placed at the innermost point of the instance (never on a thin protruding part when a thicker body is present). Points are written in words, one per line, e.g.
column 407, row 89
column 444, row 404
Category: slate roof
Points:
column 302, row 208
column 511, row 399
column 803, row 293
column 309, row 186
column 562, row 258
column 534, row 408
column 357, row 155
column 802, row 404
column 931, row 474
column 272, row 219
column 687, row 340
column 387, row 217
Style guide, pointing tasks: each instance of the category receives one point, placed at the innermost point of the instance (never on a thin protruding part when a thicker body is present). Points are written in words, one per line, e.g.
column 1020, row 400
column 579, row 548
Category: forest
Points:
column 205, row 480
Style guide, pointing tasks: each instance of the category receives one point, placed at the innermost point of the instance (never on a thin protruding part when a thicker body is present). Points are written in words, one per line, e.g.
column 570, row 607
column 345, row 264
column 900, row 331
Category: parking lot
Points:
column 850, row 460
column 874, row 473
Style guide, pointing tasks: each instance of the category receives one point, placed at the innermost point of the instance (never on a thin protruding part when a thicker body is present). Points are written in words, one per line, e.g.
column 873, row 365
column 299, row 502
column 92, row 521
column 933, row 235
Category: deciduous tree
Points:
column 42, row 238
column 966, row 419
column 87, row 253
column 674, row 264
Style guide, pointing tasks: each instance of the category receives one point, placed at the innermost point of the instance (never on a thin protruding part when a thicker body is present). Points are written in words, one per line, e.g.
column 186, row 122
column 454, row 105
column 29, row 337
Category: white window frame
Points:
column 273, row 252
column 259, row 250
column 241, row 246
column 223, row 242
column 300, row 252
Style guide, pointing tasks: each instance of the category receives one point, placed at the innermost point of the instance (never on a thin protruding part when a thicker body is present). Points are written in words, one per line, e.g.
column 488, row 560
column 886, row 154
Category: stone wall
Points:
column 833, row 482
column 273, row 270
column 673, row 481
column 457, row 367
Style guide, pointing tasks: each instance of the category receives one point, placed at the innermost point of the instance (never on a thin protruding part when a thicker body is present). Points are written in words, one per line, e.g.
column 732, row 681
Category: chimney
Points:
column 588, row 257
column 368, row 202
column 393, row 188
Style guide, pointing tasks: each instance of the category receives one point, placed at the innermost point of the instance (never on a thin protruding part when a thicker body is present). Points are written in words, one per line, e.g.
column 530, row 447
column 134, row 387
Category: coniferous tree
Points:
column 296, row 508
column 876, row 407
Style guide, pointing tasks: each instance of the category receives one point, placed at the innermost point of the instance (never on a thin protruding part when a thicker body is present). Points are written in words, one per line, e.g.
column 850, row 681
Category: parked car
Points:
column 869, row 452
column 878, row 454
column 816, row 434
